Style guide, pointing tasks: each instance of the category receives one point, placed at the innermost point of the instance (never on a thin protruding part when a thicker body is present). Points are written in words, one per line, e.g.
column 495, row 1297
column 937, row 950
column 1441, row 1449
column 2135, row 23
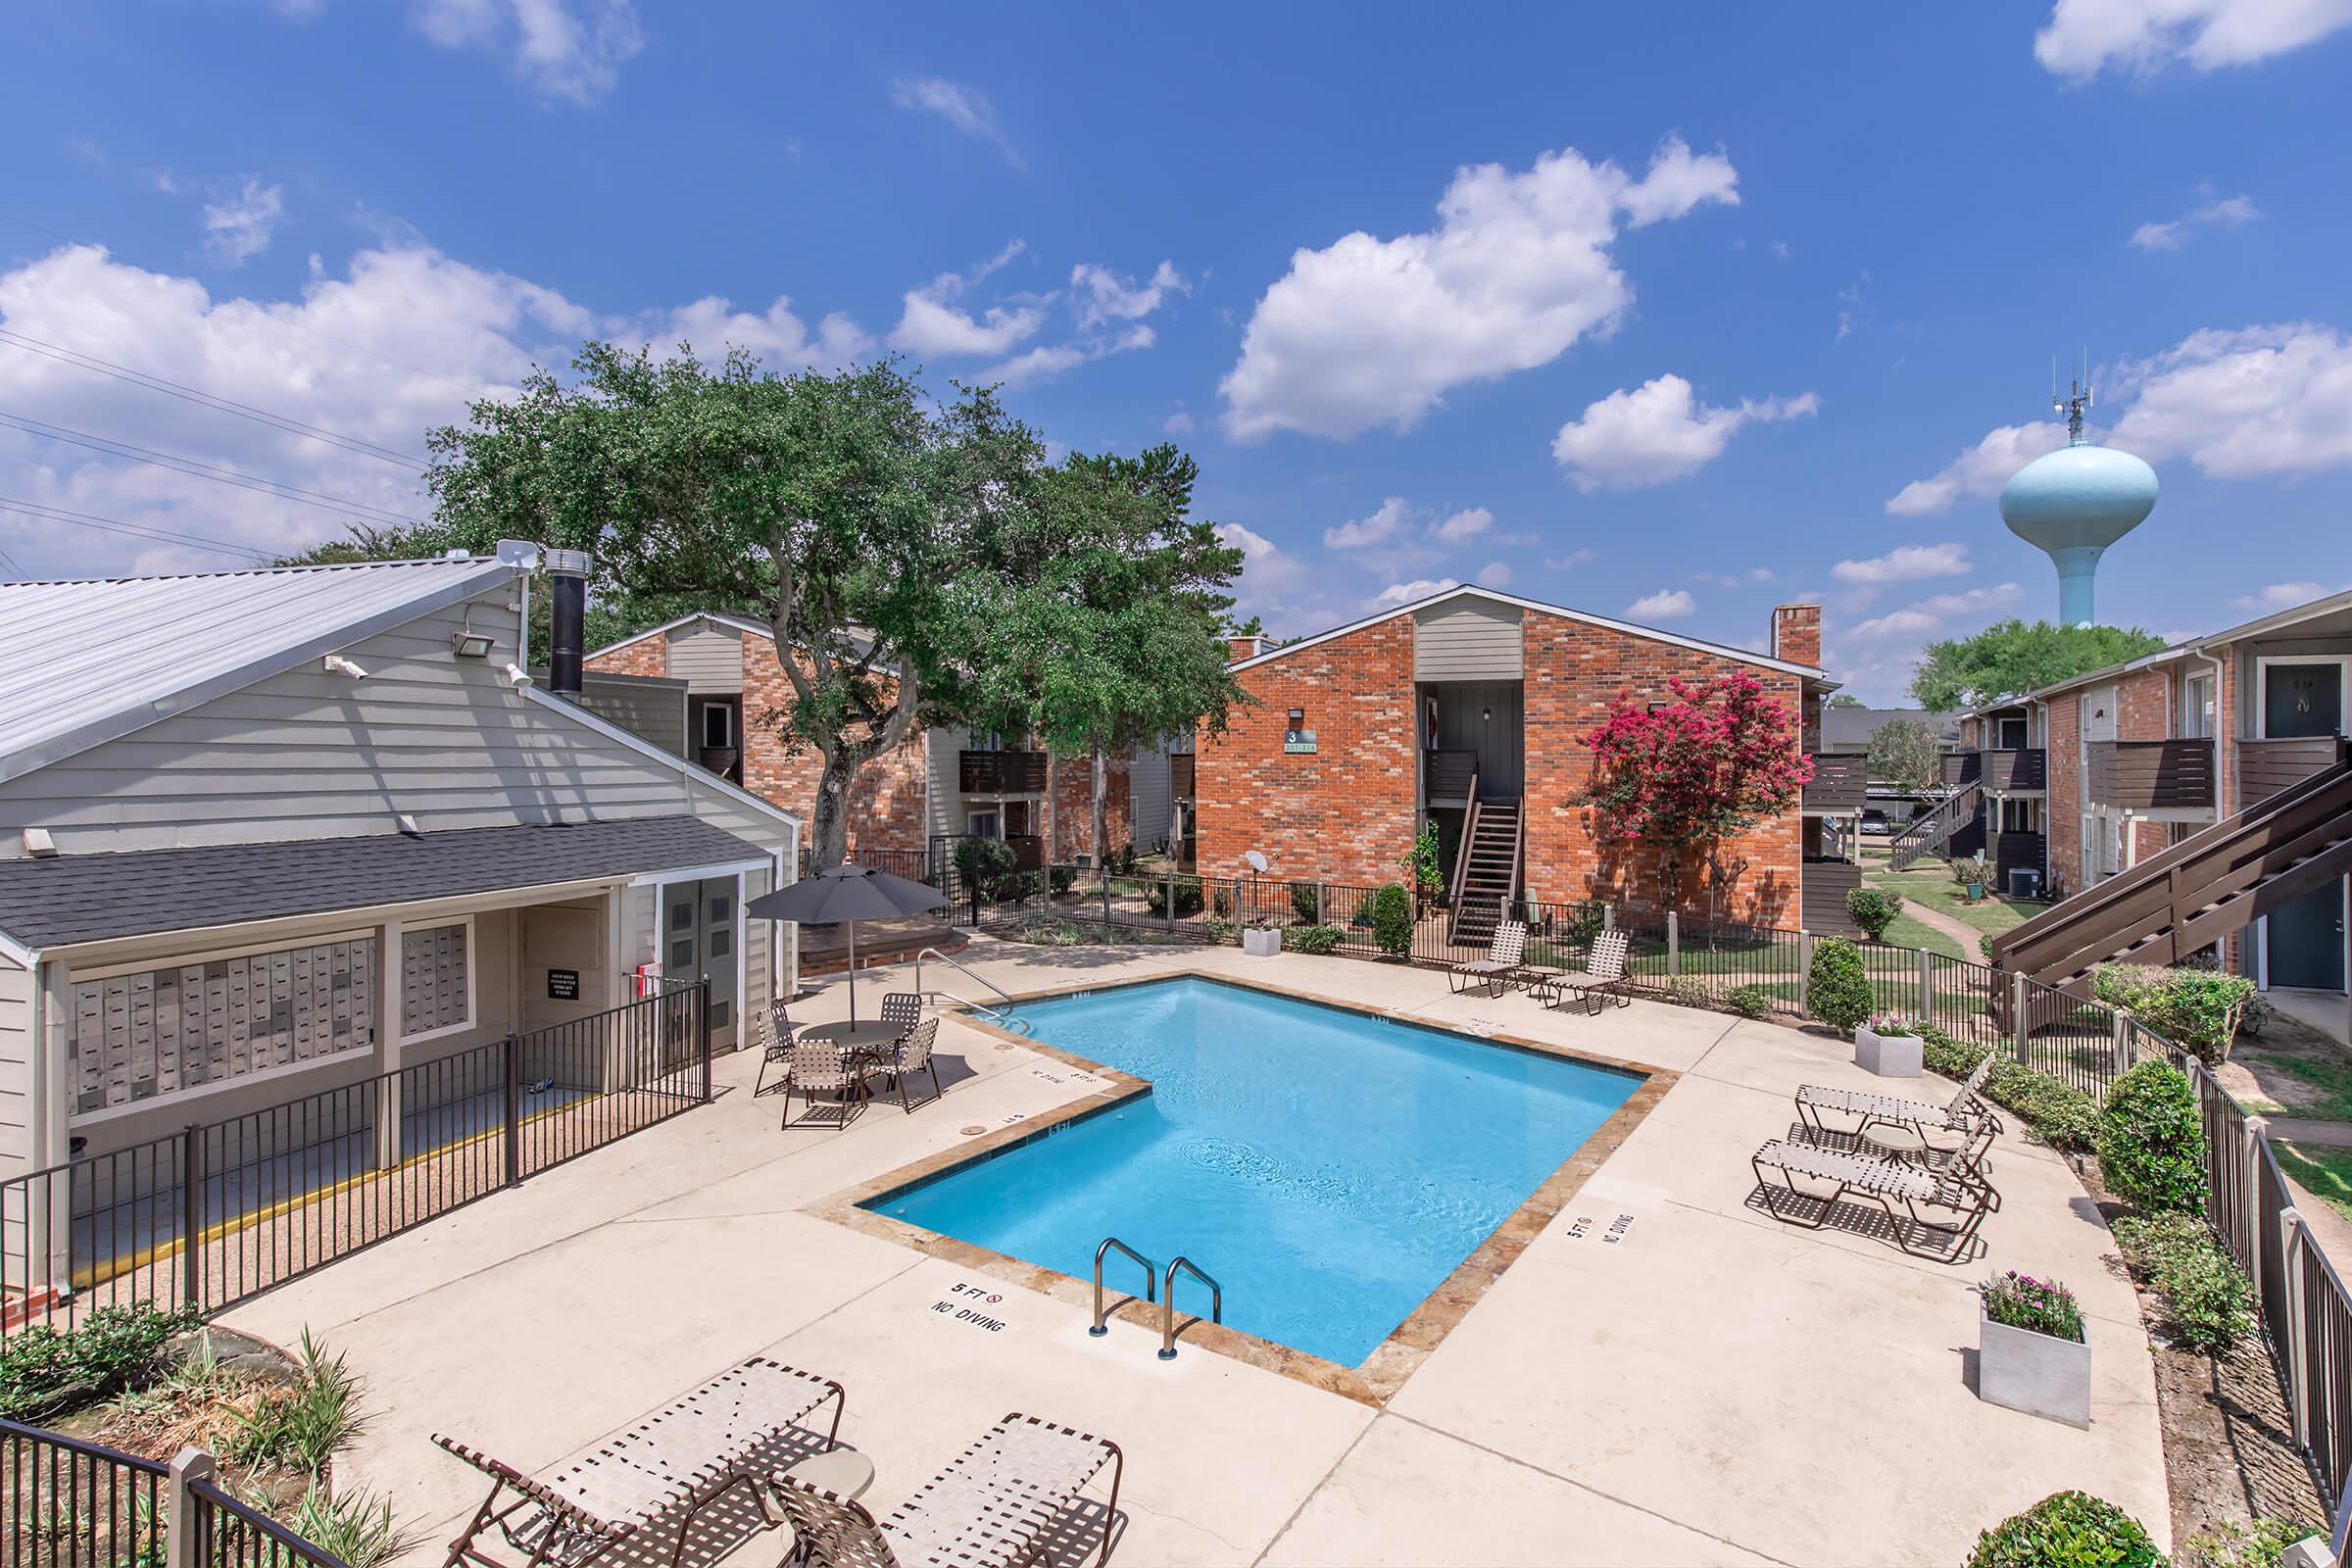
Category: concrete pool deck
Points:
column 1713, row 1387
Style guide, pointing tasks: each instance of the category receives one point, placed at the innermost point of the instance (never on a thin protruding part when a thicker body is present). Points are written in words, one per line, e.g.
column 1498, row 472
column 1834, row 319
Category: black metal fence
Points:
column 217, row 1212
column 231, row 1534
column 76, row 1505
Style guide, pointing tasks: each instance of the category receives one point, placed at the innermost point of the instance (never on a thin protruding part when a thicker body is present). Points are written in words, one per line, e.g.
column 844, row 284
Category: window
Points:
column 2013, row 735
column 2019, row 817
column 719, row 724
column 436, row 979
column 981, row 825
column 136, row 1036
column 2196, row 707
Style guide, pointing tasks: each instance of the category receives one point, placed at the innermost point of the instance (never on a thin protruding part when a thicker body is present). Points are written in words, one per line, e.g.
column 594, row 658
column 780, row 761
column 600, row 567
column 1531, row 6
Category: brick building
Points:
column 1466, row 711
column 939, row 783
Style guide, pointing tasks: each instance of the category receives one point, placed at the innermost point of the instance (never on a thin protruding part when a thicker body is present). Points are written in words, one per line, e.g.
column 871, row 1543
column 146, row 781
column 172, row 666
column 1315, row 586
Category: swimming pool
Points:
column 1330, row 1168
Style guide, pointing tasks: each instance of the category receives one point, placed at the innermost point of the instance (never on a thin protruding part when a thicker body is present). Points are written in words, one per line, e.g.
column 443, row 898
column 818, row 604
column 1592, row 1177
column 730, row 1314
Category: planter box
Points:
column 1260, row 944
column 1887, row 1055
column 2032, row 1372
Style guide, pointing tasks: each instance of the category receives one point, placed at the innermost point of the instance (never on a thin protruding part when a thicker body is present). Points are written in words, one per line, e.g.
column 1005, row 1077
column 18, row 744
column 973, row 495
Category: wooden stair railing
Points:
column 1925, row 834
column 1494, row 845
column 1461, row 850
column 2197, row 891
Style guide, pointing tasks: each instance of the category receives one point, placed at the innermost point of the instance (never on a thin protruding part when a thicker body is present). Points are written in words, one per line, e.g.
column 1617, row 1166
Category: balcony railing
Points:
column 2267, row 767
column 2151, row 775
column 1840, row 783
column 2001, row 772
column 1000, row 772
column 1451, row 776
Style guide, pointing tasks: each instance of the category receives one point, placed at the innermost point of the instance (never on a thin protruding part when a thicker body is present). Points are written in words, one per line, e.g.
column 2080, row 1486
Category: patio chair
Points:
column 902, row 1010
column 1965, row 1113
column 676, row 1463
column 1602, row 979
column 995, row 1506
column 913, row 1055
column 1507, row 957
column 822, row 1066
column 772, row 1032
column 1902, row 1191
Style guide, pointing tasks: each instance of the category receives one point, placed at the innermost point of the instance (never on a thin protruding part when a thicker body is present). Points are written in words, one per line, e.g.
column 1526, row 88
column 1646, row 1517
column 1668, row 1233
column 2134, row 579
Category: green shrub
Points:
column 1217, row 928
column 1064, row 877
column 2152, row 1140
column 1393, row 920
column 1316, row 940
column 352, row 1527
column 1873, row 910
column 1221, row 900
column 1420, row 862
column 2067, row 1530
column 1749, row 1001
column 2227, row 1544
column 1304, row 898
column 1688, row 990
column 43, row 1369
column 1954, row 1058
column 2043, row 1306
column 982, row 861
column 1836, row 991
column 2208, row 1300
column 1187, row 898
column 1969, row 872
column 2060, row 1114
column 2196, row 1008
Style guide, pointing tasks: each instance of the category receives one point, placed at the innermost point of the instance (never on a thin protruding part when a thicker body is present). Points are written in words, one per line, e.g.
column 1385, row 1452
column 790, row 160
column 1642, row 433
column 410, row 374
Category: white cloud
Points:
column 1981, row 470
column 1781, row 250
column 967, row 109
column 571, row 49
column 1405, row 593
column 1274, row 583
column 1378, row 528
column 1657, row 433
column 1667, row 604
column 1467, row 523
column 1051, row 360
column 1906, row 564
column 398, row 343
column 238, row 227
column 1099, row 295
column 2086, row 37
column 1930, row 613
column 1569, row 562
column 932, row 323
column 1177, row 423
column 1727, row 580
column 2229, row 212
column 2266, row 400
column 1494, row 574
column 1368, row 331
column 2281, row 596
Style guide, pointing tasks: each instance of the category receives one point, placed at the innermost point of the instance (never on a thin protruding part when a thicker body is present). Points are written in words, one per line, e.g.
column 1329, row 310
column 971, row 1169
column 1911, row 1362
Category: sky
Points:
column 1663, row 313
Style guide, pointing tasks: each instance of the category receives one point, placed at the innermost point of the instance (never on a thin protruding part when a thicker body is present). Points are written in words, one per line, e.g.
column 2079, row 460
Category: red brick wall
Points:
column 1073, row 806
column 1342, row 813
column 1797, row 634
column 2065, row 797
column 647, row 656
column 1573, row 671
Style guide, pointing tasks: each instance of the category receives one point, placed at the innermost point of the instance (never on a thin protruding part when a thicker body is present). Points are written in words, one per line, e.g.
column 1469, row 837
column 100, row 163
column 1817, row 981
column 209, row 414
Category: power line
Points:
column 170, row 388
column 358, row 510
column 137, row 530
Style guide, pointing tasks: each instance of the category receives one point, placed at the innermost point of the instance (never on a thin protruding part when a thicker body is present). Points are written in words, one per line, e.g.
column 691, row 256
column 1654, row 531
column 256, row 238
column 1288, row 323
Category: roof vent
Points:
column 406, row 823
column 39, row 845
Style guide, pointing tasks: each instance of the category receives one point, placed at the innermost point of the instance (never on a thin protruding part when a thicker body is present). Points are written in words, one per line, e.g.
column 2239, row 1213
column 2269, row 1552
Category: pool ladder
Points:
column 1165, row 1298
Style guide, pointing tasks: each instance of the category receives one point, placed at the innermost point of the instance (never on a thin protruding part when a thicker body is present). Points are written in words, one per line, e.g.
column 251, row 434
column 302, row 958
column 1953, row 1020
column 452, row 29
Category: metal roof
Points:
column 92, row 897
column 81, row 663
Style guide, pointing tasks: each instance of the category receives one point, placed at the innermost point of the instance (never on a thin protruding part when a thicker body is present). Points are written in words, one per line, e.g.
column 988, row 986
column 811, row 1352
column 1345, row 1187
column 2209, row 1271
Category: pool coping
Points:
column 1377, row 1379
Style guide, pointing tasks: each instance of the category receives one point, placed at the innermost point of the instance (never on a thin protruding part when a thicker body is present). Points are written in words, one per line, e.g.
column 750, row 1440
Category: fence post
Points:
column 514, row 1110
column 2249, row 1204
column 1674, row 943
column 1319, row 920
column 1168, row 909
column 178, row 1524
column 2297, row 1347
column 702, row 1030
column 191, row 1221
column 2018, row 1033
column 1106, row 869
column 1804, row 974
column 1927, row 985
column 2121, row 1027
column 1608, row 916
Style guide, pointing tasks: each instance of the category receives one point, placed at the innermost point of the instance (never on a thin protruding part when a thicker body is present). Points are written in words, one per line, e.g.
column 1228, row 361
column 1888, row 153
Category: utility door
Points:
column 2303, row 944
column 700, row 936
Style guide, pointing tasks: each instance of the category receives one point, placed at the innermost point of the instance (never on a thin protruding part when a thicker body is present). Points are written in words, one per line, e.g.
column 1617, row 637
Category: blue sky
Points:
column 1668, row 314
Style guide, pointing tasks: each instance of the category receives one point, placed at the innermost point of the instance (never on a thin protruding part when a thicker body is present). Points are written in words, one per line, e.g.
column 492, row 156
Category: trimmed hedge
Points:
column 2059, row 1114
column 2152, row 1140
column 1837, row 989
column 2209, row 1302
column 2067, row 1530
column 1393, row 920
column 1873, row 910
column 1312, row 938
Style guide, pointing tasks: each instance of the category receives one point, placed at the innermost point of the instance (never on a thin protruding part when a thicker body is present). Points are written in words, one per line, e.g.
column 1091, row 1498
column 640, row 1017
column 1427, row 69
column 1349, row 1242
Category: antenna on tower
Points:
column 2076, row 404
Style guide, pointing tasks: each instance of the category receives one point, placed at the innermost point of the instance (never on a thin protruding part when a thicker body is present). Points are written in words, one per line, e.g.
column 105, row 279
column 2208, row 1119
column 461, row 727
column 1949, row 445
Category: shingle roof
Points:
column 89, row 897
column 82, row 663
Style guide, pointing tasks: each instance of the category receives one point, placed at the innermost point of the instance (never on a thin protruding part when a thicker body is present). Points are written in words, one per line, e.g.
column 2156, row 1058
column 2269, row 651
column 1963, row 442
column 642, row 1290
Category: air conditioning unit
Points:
column 2025, row 882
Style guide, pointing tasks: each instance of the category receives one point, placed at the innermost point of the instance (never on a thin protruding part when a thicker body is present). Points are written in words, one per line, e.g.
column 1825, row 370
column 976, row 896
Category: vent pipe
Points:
column 568, row 614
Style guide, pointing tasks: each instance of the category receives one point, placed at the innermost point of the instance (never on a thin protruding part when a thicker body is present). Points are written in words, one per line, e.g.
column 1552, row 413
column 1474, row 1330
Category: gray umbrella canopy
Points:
column 844, row 896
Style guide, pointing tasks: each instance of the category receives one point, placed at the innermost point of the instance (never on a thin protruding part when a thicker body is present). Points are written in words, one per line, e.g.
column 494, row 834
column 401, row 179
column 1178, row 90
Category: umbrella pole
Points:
column 853, row 926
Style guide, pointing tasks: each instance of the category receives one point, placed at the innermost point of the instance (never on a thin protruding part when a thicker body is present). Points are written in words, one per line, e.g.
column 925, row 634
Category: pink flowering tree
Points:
column 1686, row 776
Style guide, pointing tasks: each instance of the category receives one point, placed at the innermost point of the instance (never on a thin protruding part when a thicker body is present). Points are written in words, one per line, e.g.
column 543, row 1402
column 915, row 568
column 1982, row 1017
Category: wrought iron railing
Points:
column 76, row 1505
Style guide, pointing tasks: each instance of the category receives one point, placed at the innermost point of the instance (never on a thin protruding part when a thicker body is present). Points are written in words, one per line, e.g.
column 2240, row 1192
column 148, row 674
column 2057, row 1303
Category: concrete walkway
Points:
column 1711, row 1387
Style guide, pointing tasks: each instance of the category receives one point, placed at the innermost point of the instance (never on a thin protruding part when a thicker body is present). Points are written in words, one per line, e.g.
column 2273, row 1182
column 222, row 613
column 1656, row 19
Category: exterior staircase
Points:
column 2195, row 893
column 1927, row 834
column 1486, row 873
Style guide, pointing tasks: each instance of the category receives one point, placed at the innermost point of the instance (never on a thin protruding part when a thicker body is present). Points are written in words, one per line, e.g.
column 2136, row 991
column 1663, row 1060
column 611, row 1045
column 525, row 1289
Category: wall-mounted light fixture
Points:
column 1485, row 715
column 337, row 664
column 1296, row 714
column 468, row 643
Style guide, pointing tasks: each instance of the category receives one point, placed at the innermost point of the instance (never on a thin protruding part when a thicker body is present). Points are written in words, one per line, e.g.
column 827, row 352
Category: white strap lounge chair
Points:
column 996, row 1506
column 1602, row 979
column 1964, row 1112
column 1880, row 1181
column 669, row 1467
column 1506, row 956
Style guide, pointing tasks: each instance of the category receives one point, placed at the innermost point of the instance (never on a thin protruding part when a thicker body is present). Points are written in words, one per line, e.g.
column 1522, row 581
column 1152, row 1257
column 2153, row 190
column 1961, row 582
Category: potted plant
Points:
column 1888, row 1047
column 1261, row 939
column 1420, row 866
column 1970, row 874
column 2031, row 1352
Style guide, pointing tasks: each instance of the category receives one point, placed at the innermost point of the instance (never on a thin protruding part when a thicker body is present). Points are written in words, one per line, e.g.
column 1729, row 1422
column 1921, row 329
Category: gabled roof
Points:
column 1473, row 591
column 82, row 663
column 719, row 617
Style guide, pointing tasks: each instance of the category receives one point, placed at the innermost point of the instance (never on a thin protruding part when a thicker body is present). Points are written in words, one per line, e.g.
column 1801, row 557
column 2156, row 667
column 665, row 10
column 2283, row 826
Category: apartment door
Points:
column 2303, row 944
column 2303, row 698
column 698, row 937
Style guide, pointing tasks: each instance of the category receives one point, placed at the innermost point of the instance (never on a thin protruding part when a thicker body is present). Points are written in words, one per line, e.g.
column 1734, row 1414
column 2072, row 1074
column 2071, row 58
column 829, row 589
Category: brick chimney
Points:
column 1241, row 648
column 1797, row 633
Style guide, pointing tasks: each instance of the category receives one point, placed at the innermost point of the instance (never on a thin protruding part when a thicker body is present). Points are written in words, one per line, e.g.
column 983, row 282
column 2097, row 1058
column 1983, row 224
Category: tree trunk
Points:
column 829, row 822
column 1102, row 822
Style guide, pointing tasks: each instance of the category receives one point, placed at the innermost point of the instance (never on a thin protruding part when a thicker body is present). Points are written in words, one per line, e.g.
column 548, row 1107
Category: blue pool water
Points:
column 1329, row 1168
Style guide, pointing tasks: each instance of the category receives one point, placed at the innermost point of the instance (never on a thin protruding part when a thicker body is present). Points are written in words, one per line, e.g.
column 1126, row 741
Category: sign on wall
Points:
column 562, row 985
column 1295, row 741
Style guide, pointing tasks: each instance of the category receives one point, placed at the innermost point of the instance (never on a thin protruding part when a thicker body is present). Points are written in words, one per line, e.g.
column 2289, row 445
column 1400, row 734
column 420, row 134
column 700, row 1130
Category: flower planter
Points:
column 1260, row 944
column 1887, row 1055
column 2032, row 1372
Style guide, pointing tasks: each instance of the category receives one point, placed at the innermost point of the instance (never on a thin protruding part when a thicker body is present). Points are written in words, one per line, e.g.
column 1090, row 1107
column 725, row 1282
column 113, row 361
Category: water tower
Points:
column 2071, row 504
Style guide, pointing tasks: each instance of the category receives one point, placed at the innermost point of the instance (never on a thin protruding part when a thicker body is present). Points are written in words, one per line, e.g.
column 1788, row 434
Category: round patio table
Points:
column 1905, row 1145
column 867, row 1046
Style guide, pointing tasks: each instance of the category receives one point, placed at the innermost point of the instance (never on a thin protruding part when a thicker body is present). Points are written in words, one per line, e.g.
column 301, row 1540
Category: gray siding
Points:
column 1468, row 639
column 1148, row 796
column 648, row 708
column 943, row 804
column 17, row 990
column 706, row 656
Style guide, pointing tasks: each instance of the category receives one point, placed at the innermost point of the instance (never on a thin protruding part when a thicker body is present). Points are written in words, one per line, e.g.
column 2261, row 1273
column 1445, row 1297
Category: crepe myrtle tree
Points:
column 863, row 522
column 1689, row 775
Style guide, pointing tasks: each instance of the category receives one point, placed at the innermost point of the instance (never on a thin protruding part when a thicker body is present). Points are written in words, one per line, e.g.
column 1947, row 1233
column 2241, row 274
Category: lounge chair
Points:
column 1602, row 979
column 994, row 1507
column 822, row 1066
column 673, row 1464
column 1881, row 1181
column 914, row 1057
column 773, row 1034
column 1965, row 1113
column 1507, row 957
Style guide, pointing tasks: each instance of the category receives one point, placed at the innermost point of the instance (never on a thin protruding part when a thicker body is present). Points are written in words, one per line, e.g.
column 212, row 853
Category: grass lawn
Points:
column 1907, row 932
column 2325, row 1173
column 1928, row 882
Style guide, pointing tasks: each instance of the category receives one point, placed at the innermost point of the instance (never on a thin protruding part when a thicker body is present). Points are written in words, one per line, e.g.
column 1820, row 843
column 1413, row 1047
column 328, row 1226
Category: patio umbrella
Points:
column 844, row 896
